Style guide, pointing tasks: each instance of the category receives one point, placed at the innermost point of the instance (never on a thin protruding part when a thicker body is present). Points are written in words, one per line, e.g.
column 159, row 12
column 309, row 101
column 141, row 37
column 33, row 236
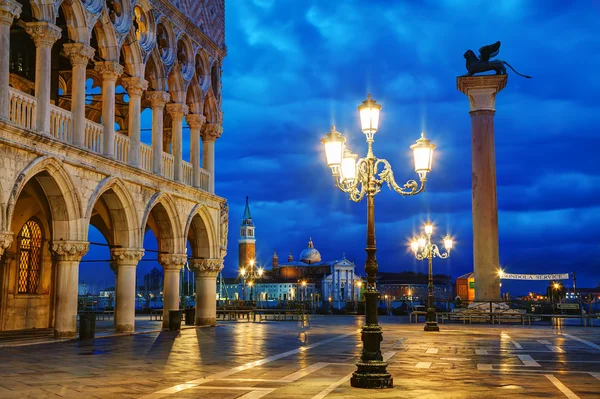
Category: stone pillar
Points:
column 79, row 54
column 114, row 266
column 195, row 122
column 177, row 112
column 481, row 91
column 206, row 271
column 126, row 260
column 110, row 72
column 135, row 88
column 6, row 240
column 210, row 133
column 9, row 10
column 68, row 254
column 157, row 99
column 44, row 35
column 172, row 264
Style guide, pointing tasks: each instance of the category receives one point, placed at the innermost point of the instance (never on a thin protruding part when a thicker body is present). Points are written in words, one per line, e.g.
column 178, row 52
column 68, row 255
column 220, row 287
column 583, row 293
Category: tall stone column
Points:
column 115, row 268
column 79, row 54
column 206, row 272
column 44, row 35
column 110, row 72
column 127, row 260
column 177, row 112
column 195, row 122
column 210, row 133
column 172, row 264
column 157, row 99
column 481, row 91
column 9, row 10
column 6, row 240
column 68, row 254
column 135, row 88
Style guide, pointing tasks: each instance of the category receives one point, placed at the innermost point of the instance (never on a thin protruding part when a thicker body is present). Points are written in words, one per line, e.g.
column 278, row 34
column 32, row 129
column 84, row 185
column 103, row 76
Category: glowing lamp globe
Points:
column 423, row 155
column 349, row 166
column 260, row 272
column 414, row 245
column 369, row 116
column 422, row 242
column 429, row 229
column 448, row 244
column 334, row 149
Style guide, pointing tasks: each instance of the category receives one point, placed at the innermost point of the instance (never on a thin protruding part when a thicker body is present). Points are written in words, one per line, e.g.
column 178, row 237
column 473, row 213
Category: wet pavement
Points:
column 310, row 360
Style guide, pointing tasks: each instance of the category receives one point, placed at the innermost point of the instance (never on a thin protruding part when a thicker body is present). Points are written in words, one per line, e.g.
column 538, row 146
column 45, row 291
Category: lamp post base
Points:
column 431, row 326
column 372, row 375
column 431, row 321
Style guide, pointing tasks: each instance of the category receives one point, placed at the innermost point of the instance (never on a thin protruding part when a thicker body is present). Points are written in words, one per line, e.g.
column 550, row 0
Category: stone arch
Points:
column 202, row 70
column 211, row 109
column 61, row 194
column 195, row 97
column 115, row 199
column 106, row 38
column 154, row 72
column 162, row 218
column 132, row 56
column 177, row 85
column 200, row 232
column 75, row 15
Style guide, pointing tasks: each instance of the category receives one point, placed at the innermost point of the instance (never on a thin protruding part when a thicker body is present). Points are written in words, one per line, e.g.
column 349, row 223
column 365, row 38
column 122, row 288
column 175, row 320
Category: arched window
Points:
column 30, row 245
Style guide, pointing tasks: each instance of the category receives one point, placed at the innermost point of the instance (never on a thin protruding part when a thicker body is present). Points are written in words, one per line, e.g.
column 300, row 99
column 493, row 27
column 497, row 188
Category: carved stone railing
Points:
column 60, row 124
column 93, row 136
column 146, row 152
column 168, row 165
column 188, row 173
column 204, row 178
column 22, row 108
column 121, row 147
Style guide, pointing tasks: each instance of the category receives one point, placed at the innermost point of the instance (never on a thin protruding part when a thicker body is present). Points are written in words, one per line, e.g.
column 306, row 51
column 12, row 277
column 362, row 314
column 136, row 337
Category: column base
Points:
column 124, row 328
column 431, row 326
column 372, row 375
column 65, row 334
column 206, row 321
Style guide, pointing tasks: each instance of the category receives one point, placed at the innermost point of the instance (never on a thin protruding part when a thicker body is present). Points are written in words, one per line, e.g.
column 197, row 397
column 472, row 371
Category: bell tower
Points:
column 247, row 241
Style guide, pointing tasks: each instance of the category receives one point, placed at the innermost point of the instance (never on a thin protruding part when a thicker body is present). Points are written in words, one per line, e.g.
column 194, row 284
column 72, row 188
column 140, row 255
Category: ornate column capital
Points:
column 206, row 267
column 43, row 34
column 211, row 131
column 195, row 121
column 9, row 10
column 177, row 110
column 481, row 90
column 126, row 256
column 158, row 98
column 135, row 86
column 78, row 53
column 6, row 239
column 109, row 70
column 172, row 261
column 70, row 250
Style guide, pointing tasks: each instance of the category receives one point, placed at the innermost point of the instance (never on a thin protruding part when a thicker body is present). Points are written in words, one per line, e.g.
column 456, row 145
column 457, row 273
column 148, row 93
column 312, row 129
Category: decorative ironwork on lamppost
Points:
column 251, row 274
column 424, row 249
column 358, row 178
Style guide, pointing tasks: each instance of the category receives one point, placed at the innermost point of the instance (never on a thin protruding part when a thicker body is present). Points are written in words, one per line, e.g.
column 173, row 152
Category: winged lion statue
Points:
column 483, row 64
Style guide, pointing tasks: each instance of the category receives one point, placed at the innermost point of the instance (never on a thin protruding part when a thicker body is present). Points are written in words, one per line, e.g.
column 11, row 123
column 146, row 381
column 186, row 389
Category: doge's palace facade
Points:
column 75, row 77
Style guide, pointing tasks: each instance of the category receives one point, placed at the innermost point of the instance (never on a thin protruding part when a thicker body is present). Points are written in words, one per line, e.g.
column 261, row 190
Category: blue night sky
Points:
column 295, row 67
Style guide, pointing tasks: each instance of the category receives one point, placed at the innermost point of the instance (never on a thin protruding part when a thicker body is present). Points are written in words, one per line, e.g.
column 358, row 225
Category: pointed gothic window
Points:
column 30, row 245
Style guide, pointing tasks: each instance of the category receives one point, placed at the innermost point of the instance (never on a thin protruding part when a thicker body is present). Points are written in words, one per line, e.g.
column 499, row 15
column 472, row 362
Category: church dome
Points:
column 310, row 255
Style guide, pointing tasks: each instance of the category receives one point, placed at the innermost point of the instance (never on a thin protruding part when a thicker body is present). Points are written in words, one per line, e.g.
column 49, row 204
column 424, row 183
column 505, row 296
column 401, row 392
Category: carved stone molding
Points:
column 206, row 267
column 6, row 239
column 135, row 86
column 78, row 53
column 158, row 99
column 195, row 121
column 109, row 70
column 172, row 261
column 70, row 250
column 43, row 34
column 211, row 131
column 9, row 10
column 481, row 90
column 126, row 256
column 177, row 110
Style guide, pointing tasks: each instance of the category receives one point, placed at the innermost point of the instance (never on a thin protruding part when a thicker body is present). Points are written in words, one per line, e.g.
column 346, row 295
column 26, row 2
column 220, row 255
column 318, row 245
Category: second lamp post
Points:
column 424, row 249
column 365, row 177
column 251, row 275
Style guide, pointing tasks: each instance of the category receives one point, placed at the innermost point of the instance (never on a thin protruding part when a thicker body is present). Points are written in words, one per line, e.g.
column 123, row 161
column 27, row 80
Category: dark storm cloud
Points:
column 294, row 68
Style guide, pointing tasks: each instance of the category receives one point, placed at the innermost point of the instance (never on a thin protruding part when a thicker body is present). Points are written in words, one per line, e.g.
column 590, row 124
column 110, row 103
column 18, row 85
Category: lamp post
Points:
column 358, row 178
column 251, row 274
column 424, row 249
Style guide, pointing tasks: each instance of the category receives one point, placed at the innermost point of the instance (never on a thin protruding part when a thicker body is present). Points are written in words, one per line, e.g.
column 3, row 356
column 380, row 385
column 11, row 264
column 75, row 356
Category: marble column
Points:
column 195, row 122
column 110, row 72
column 9, row 10
column 481, row 91
column 157, row 99
column 171, row 264
column 206, row 272
column 79, row 54
column 177, row 112
column 125, row 291
column 6, row 240
column 115, row 269
column 44, row 35
column 68, row 254
column 210, row 133
column 135, row 88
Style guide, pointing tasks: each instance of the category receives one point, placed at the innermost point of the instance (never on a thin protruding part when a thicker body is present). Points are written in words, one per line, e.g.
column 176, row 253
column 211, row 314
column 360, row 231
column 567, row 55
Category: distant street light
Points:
column 424, row 249
column 357, row 178
column 252, row 274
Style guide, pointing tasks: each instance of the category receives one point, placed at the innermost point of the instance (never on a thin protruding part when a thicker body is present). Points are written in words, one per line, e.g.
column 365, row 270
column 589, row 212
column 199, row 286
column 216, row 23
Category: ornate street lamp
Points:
column 251, row 275
column 358, row 178
column 424, row 249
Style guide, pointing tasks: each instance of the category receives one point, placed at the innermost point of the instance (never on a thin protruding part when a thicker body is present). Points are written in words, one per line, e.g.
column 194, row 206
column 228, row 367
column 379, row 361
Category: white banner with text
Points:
column 513, row 276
